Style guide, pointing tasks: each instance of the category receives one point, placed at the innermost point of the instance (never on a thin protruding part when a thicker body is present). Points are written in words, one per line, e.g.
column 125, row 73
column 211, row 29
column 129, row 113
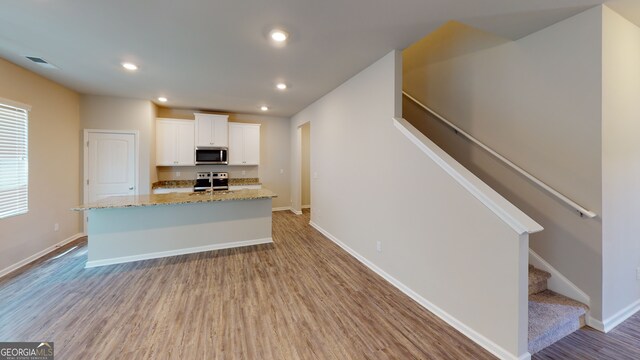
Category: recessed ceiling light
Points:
column 281, row 86
column 264, row 108
column 278, row 35
column 162, row 99
column 129, row 66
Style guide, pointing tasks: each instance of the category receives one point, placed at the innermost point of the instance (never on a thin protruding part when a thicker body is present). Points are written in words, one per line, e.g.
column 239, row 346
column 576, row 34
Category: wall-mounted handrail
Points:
column 581, row 210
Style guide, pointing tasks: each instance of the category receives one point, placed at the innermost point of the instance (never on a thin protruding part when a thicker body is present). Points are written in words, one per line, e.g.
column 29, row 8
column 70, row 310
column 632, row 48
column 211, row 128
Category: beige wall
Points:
column 437, row 239
column 274, row 154
column 620, row 164
column 537, row 101
column 114, row 113
column 54, row 165
column 306, row 165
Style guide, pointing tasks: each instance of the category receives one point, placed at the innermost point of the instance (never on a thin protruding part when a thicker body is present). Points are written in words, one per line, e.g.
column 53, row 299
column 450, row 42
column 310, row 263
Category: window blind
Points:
column 14, row 162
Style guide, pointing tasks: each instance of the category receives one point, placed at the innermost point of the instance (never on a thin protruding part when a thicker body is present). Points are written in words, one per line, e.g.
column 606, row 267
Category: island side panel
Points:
column 118, row 235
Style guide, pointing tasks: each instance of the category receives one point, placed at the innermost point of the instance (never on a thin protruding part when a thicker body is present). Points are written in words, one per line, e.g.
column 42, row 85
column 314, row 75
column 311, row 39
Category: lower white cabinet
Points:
column 172, row 190
column 175, row 142
column 242, row 187
column 244, row 144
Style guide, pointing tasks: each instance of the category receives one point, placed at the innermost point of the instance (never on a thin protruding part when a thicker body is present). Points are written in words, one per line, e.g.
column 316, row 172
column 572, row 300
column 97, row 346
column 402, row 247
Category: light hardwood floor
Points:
column 299, row 298
column 621, row 343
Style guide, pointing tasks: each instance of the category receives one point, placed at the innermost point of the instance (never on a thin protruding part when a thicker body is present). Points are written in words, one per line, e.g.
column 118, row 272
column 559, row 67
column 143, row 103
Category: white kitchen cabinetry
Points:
column 174, row 142
column 244, row 144
column 212, row 130
column 244, row 187
column 172, row 190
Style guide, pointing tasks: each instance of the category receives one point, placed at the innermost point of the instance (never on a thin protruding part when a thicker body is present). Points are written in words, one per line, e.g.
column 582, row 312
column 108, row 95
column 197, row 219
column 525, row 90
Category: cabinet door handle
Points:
column 130, row 187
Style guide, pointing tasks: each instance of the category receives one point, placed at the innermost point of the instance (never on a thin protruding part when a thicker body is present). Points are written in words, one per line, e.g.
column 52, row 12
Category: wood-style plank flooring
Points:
column 300, row 298
column 621, row 343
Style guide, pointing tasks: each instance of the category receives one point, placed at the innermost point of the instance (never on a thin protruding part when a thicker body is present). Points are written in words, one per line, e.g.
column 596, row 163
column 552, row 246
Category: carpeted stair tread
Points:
column 552, row 317
column 537, row 280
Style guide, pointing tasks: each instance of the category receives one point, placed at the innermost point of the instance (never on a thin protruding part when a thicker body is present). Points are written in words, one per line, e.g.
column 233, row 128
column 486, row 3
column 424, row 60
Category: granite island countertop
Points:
column 115, row 202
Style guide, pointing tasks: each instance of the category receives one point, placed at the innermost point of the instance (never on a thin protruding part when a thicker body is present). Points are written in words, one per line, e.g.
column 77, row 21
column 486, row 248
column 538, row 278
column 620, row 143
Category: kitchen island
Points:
column 131, row 228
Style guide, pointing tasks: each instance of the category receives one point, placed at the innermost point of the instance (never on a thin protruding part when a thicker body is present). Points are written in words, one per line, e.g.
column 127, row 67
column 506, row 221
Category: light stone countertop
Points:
column 115, row 202
column 172, row 184
column 244, row 181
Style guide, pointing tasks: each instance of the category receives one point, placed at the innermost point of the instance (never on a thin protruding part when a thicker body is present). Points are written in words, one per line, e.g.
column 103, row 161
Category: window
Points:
column 14, row 162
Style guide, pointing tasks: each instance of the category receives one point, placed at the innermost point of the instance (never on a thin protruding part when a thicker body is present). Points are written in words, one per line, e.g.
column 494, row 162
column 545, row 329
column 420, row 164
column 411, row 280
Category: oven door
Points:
column 211, row 156
column 220, row 184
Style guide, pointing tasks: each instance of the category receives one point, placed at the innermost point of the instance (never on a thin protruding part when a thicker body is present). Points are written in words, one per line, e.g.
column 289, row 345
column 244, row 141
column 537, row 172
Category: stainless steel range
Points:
column 211, row 181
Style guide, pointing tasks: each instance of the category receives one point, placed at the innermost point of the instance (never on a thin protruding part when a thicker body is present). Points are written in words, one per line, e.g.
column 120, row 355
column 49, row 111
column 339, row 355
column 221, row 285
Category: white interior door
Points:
column 111, row 165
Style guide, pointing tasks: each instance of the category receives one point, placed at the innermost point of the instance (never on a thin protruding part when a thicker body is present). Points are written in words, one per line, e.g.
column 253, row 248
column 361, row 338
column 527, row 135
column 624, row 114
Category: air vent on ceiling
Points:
column 42, row 62
column 37, row 60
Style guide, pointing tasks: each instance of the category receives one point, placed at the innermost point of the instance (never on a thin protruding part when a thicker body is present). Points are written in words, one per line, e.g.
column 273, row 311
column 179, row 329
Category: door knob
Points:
column 130, row 187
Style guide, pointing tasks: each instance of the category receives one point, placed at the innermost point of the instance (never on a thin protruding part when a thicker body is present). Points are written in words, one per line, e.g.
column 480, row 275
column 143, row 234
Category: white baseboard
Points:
column 594, row 323
column 161, row 254
column 284, row 208
column 40, row 254
column 611, row 322
column 525, row 356
column 479, row 339
column 558, row 282
column 306, row 206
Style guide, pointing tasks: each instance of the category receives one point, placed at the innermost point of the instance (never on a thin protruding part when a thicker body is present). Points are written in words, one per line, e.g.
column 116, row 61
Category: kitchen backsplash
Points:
column 189, row 172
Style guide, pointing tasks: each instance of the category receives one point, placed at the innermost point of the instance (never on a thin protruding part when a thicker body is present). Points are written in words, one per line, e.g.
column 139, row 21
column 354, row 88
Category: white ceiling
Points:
column 214, row 54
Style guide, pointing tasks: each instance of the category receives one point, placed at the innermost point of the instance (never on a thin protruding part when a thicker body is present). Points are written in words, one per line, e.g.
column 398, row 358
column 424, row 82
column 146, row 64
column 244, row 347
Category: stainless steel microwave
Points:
column 212, row 155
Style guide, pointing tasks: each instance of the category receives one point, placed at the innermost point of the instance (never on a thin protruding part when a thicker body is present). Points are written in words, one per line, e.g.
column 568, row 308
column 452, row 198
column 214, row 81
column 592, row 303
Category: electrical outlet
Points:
column 178, row 173
column 281, row 171
column 638, row 273
column 379, row 246
column 244, row 172
column 56, row 227
column 315, row 175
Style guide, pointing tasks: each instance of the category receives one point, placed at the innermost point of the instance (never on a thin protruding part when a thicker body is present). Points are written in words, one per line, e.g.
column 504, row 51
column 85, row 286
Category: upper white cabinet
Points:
column 244, row 144
column 174, row 142
column 212, row 130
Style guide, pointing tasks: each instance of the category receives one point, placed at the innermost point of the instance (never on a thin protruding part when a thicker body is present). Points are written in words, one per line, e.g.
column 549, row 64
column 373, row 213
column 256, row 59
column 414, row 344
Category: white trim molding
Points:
column 525, row 356
column 161, row 254
column 594, row 323
column 281, row 208
column 611, row 322
column 476, row 337
column 297, row 212
column 40, row 254
column 15, row 104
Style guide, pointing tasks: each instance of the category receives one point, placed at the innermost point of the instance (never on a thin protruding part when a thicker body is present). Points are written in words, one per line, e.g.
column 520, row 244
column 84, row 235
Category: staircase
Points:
column 551, row 315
